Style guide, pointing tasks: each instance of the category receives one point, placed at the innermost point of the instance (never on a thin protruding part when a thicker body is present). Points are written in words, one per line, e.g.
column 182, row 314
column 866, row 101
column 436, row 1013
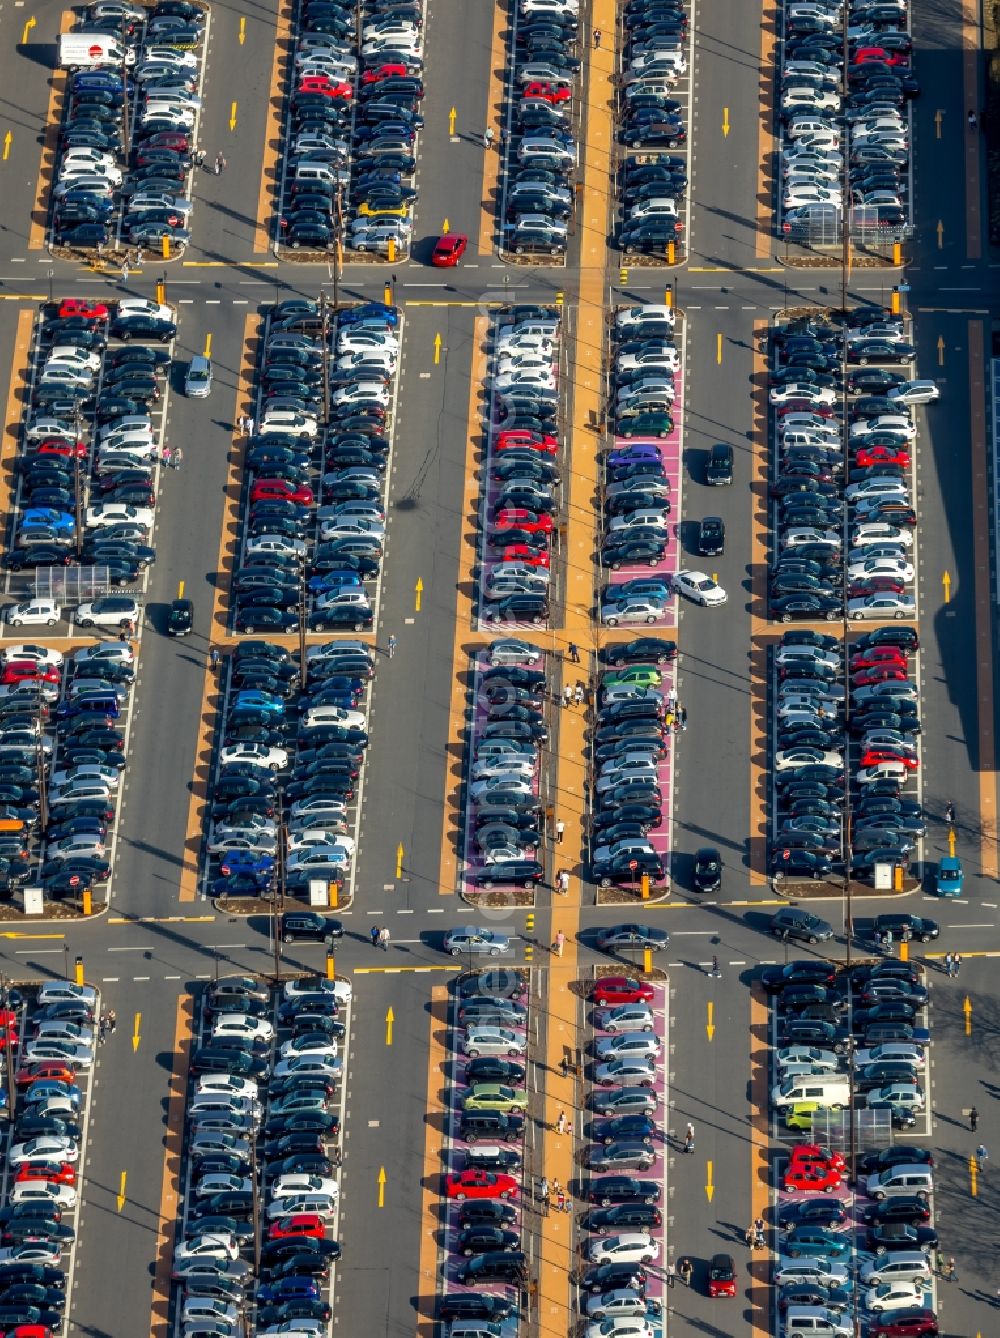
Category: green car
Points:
column 494, row 1096
column 652, row 424
column 800, row 1116
column 642, row 675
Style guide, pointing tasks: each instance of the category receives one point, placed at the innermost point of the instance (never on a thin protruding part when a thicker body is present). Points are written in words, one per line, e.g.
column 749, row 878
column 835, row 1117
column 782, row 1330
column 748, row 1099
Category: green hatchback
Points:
column 642, row 675
column 495, row 1096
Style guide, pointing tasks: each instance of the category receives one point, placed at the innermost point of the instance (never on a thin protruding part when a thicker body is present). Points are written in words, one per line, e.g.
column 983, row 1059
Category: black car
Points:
column 901, row 1154
column 822, row 1211
column 706, row 874
column 887, row 1236
column 622, row 1189
column 719, row 467
column 310, row 925
column 475, row 1305
column 775, row 979
column 711, row 536
column 906, row 1208
column 499, row 983
column 631, row 936
column 612, row 1277
column 180, row 617
column 497, row 1266
column 490, row 1068
column 624, row 1217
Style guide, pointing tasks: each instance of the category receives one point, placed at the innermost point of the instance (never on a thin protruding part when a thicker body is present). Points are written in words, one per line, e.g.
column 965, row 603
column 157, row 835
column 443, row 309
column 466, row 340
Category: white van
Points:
column 315, row 172
column 908, row 1178
column 92, row 51
column 831, row 1090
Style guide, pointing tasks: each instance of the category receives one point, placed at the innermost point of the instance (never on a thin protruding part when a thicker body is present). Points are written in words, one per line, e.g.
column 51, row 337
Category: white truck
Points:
column 91, row 51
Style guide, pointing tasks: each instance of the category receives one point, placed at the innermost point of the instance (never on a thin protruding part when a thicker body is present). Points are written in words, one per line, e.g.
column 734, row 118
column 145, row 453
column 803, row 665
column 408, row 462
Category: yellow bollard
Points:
column 897, row 880
column 559, row 299
column 671, row 253
column 647, row 960
column 668, row 298
column 644, row 887
column 392, row 250
column 894, row 301
column 88, row 901
column 161, row 292
column 623, row 276
column 897, row 253
column 166, row 247
column 387, row 294
column 904, row 951
column 529, row 922
column 331, row 969
column 79, row 970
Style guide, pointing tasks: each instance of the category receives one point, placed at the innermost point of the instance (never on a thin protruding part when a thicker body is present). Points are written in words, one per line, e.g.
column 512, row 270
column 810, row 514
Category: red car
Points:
column 449, row 250
column 23, row 671
column 621, row 989
column 480, row 1185
column 875, row 585
column 269, row 489
column 915, row 1322
column 804, row 406
column 866, row 458
column 813, row 1152
column 531, row 557
column 864, row 54
column 518, row 438
column 53, row 1173
column 516, row 517
column 810, row 1176
column 319, row 83
column 58, row 446
column 80, row 306
column 879, row 673
column 29, row 1331
column 877, row 655
column 873, row 756
column 296, row 1224
column 48, row 1068
column 721, row 1275
column 384, row 72
column 549, row 92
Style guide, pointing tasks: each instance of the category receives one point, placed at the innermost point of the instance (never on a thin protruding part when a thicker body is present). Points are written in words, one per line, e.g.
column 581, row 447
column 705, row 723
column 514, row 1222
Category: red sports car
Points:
column 865, row 54
column 531, row 557
column 449, row 250
column 518, row 438
column 270, row 489
column 58, row 446
column 480, row 1185
column 80, row 306
column 23, row 671
column 48, row 1068
column 873, row 756
column 879, row 673
column 621, row 989
column 870, row 659
column 870, row 456
column 384, row 72
column 296, row 1224
column 875, row 585
column 549, row 92
column 721, row 1275
column 516, row 517
column 319, row 83
column 52, row 1172
column 810, row 1176
column 813, row 1152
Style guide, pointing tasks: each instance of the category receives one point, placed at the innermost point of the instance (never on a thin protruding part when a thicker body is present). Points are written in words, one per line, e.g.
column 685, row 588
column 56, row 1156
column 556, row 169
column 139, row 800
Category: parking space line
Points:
column 758, row 610
column 50, row 148
column 986, row 769
column 434, row 1131
column 170, row 1189
column 494, row 106
column 12, row 421
column 267, row 197
column 759, row 1171
column 973, row 153
column 765, row 128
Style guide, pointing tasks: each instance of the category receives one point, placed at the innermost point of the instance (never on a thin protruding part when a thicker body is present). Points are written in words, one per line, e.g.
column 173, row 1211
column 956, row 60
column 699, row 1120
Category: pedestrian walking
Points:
column 220, row 164
column 561, row 1123
column 112, row 1021
column 488, row 137
column 561, row 1200
column 950, row 1271
column 597, row 39
column 682, row 715
column 102, row 1030
column 677, row 723
column 125, row 273
column 685, row 1268
column 939, row 1263
column 689, row 1138
column 956, row 962
column 758, row 1233
column 543, row 1187
column 165, row 455
column 949, row 814
column 668, row 719
column 177, row 458
column 567, row 694
column 214, row 658
column 559, row 944
column 391, row 647
column 383, row 938
column 560, row 830
column 250, row 425
column 715, row 973
column 373, row 935
column 562, row 881
column 982, row 1157
column 973, row 122
column 947, row 963
column 139, row 253
column 578, row 694
column 973, row 1119
column 564, row 1066
column 574, row 652
column 671, row 1273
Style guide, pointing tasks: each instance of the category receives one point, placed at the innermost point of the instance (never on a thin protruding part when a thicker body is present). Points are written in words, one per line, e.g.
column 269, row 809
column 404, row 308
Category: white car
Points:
column 98, row 614
column 288, row 421
column 817, row 1060
column 633, row 610
column 49, row 1147
column 340, row 990
column 318, row 1066
column 71, row 173
column 898, row 424
column 243, row 1025
column 307, row 837
column 822, row 1271
column 287, row 1186
column 322, row 1205
column 868, row 567
column 884, row 605
column 806, row 534
column 891, row 771
column 493, row 1041
column 257, row 754
column 210, row 1245
column 613, row 1304
column 87, row 771
column 878, row 532
column 34, row 612
column 699, row 587
column 67, row 355
column 623, row 1324
column 799, row 196
column 229, row 1083
column 631, row 1247
column 914, row 392
column 143, row 306
column 807, row 655
column 785, row 759
column 42, row 1192
column 793, row 391
column 118, row 513
column 360, row 391
column 663, row 355
column 335, row 855
column 642, row 1045
column 894, row 1296
column 625, row 1017
column 897, row 1052
column 352, row 340
column 266, row 544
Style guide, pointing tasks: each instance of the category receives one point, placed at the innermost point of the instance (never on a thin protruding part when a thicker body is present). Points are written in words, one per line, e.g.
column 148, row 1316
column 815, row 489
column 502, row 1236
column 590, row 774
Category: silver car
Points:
column 198, row 381
column 476, row 942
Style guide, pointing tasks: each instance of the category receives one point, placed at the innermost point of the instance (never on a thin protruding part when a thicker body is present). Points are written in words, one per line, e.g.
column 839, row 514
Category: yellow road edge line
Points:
column 433, row 1168
column 12, row 422
column 490, row 199
column 765, row 133
column 987, row 773
column 267, row 196
column 171, row 1185
column 50, row 148
column 973, row 152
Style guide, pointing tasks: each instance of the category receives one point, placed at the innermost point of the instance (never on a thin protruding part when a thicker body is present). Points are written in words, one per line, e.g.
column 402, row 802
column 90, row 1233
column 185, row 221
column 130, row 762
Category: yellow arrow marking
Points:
column 419, row 587
column 399, row 860
column 208, row 344
column 7, row 140
column 946, row 583
column 180, row 589
column 452, row 115
column 951, row 842
column 709, row 1186
column 973, row 1177
column 121, row 1191
column 243, row 31
column 967, row 1010
column 232, row 117
column 938, row 118
column 13, row 933
column 940, row 235
column 718, row 348
column 710, row 1025
column 381, row 1186
column 940, row 349
column 437, row 359
column 446, row 227
column 26, row 30
column 725, row 122
column 390, row 1018
column 135, row 1032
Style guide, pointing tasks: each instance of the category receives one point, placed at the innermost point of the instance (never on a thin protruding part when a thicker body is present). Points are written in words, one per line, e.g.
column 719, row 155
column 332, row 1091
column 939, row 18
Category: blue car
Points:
column 45, row 515
column 261, row 701
column 369, row 311
column 288, row 1289
column 43, row 1088
column 816, row 1243
column 239, row 885
column 100, row 79
column 630, row 455
column 247, row 862
column 335, row 580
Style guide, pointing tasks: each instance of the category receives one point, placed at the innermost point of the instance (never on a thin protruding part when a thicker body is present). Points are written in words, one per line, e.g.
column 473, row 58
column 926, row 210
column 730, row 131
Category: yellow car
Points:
column 400, row 211
column 800, row 1116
